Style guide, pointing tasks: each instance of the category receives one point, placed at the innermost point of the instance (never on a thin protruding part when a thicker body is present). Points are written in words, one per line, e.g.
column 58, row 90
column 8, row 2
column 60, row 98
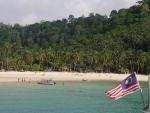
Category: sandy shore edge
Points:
column 64, row 76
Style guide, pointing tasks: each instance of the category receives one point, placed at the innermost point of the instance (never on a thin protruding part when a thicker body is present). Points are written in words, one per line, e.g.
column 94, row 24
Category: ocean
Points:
column 67, row 97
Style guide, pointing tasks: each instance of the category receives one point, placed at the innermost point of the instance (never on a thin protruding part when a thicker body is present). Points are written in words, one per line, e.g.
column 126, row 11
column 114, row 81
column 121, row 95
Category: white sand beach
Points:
column 63, row 76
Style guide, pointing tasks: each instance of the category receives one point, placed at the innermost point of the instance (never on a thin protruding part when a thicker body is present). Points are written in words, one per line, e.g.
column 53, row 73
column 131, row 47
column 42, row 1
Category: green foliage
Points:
column 119, row 43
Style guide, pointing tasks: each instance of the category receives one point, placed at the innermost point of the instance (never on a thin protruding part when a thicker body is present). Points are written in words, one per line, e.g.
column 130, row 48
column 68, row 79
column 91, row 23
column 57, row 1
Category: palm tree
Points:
column 7, row 49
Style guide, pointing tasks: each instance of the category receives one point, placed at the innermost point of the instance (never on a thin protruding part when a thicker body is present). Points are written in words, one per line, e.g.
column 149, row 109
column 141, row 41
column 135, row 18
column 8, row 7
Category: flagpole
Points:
column 147, row 108
column 149, row 92
column 142, row 97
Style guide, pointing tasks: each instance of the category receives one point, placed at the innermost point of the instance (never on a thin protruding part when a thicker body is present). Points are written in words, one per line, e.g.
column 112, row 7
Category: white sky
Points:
column 30, row 11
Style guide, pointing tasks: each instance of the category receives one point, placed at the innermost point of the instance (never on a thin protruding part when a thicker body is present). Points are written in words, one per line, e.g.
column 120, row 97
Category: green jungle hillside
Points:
column 119, row 43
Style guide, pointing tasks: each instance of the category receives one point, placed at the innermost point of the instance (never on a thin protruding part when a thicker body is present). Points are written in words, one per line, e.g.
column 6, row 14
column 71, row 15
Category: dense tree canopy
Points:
column 119, row 43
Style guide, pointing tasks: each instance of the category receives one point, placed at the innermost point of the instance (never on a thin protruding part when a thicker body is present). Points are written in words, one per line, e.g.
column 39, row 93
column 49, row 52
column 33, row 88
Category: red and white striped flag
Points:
column 127, row 86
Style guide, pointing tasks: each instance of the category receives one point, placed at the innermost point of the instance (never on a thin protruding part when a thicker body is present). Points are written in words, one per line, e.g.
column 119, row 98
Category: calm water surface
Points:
column 76, row 97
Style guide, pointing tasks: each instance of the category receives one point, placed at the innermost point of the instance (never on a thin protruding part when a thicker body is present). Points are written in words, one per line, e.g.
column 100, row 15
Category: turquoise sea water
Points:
column 72, row 97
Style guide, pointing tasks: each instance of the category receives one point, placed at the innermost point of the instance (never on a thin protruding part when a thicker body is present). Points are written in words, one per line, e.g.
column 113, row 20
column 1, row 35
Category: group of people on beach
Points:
column 23, row 80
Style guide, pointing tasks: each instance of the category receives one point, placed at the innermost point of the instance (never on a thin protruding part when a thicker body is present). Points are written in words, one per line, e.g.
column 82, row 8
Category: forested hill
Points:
column 119, row 43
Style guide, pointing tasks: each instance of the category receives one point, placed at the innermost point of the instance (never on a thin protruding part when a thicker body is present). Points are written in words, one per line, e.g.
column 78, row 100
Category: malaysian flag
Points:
column 127, row 86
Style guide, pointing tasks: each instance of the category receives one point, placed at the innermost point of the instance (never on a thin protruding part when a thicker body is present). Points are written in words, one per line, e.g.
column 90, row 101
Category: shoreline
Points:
column 15, row 76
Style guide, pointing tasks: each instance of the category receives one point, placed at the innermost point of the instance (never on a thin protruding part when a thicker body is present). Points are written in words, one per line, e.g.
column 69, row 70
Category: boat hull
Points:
column 46, row 82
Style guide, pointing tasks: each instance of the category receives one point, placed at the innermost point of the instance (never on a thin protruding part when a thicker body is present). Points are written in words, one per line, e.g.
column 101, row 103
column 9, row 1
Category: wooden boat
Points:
column 84, row 80
column 46, row 82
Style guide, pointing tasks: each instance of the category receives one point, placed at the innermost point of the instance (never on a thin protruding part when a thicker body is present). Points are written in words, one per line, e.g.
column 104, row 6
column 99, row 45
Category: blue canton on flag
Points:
column 129, row 81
